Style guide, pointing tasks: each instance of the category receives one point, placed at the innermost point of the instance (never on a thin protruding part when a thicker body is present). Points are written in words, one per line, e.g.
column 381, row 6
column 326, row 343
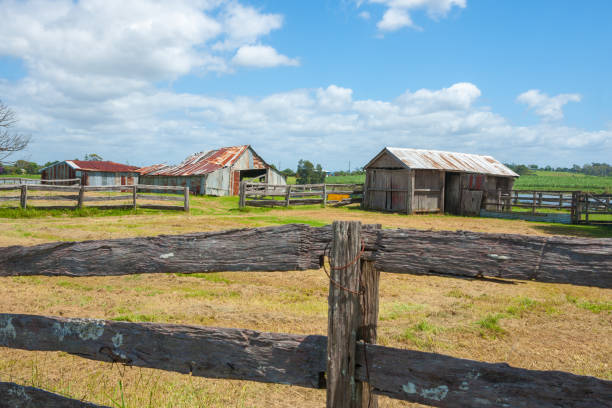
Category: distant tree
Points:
column 10, row 142
column 26, row 167
column 50, row 163
column 93, row 157
column 307, row 173
column 288, row 173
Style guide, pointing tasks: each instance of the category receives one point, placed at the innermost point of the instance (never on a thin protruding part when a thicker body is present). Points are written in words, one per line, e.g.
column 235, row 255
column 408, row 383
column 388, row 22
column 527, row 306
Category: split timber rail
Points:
column 346, row 362
column 277, row 195
column 22, row 180
column 73, row 197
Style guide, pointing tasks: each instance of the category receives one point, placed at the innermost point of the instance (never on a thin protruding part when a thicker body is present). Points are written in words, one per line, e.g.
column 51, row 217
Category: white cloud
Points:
column 98, row 49
column 548, row 107
column 397, row 13
column 328, row 125
column 365, row 15
column 261, row 56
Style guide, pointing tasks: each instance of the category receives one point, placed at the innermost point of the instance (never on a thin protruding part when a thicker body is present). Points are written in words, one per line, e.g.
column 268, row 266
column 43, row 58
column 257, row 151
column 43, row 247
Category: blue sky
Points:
column 329, row 81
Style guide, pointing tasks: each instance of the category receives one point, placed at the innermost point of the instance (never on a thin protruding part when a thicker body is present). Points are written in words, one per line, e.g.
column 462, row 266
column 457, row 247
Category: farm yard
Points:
column 526, row 324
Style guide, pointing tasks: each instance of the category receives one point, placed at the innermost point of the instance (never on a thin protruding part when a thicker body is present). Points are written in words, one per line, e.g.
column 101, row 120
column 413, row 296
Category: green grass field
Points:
column 29, row 176
column 552, row 180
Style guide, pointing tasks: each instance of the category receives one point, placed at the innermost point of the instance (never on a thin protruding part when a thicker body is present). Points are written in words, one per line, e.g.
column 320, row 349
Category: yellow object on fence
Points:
column 337, row 197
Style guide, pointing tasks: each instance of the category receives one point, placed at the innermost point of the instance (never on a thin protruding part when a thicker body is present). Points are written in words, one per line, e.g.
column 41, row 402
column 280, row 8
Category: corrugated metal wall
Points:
column 102, row 178
column 59, row 171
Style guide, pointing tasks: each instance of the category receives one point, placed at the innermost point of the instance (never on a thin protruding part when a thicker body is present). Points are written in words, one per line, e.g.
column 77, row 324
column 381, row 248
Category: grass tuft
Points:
column 489, row 326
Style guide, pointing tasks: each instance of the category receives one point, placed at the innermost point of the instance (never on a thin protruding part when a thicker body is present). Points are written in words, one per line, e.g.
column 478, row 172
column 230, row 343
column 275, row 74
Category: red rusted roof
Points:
column 151, row 168
column 204, row 162
column 105, row 166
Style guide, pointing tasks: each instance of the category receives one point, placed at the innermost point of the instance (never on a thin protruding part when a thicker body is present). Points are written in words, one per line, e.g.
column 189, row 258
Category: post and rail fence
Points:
column 131, row 196
column 570, row 207
column 277, row 195
column 346, row 362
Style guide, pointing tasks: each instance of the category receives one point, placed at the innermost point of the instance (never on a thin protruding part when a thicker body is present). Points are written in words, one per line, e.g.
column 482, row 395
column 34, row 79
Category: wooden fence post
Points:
column 287, row 195
column 23, row 200
column 343, row 315
column 368, row 303
column 533, row 203
column 81, row 196
column 134, row 195
column 186, row 193
column 242, row 198
column 324, row 195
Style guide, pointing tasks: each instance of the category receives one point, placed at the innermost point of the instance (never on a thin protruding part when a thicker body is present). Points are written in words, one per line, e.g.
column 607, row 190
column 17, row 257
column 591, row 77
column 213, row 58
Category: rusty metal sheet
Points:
column 206, row 162
column 449, row 161
column 152, row 168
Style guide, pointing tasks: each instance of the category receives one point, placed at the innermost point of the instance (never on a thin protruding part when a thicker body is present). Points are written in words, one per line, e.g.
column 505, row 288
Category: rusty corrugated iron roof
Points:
column 99, row 165
column 204, row 162
column 448, row 161
column 151, row 168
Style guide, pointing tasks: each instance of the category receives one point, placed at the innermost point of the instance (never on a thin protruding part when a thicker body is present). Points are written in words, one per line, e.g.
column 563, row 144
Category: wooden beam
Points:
column 442, row 381
column 367, row 329
column 200, row 351
column 426, row 378
column 19, row 396
column 578, row 261
column 264, row 249
column 343, row 315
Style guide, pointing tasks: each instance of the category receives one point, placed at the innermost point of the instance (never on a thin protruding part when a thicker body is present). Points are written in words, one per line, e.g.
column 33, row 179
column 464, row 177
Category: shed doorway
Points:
column 452, row 193
column 240, row 175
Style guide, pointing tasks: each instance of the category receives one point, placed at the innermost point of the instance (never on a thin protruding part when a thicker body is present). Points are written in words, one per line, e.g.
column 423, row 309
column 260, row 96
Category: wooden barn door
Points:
column 235, row 182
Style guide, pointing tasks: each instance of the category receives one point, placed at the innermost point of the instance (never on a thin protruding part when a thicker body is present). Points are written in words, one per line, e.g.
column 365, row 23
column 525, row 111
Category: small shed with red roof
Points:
column 92, row 172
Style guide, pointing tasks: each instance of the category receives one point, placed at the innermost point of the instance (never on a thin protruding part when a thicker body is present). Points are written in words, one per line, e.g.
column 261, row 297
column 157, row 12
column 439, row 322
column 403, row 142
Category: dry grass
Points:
column 527, row 324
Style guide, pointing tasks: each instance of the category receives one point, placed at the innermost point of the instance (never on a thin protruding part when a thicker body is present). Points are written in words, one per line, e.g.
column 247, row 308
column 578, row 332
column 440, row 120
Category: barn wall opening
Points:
column 452, row 193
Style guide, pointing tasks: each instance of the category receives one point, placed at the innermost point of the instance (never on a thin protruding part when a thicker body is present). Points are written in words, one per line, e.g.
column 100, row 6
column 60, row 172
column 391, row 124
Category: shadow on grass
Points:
column 589, row 231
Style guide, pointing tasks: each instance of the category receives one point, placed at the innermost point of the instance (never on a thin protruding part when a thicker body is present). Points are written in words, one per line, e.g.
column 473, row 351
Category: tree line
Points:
column 593, row 169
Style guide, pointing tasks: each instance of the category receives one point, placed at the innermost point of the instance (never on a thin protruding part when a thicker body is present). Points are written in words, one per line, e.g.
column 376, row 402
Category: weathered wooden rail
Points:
column 22, row 180
column 300, row 360
column 578, row 261
column 347, row 362
column 135, row 196
column 575, row 207
column 272, row 195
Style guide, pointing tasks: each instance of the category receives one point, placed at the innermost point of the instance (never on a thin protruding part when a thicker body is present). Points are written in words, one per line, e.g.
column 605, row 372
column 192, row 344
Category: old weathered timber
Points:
column 262, row 249
column 154, row 197
column 343, row 315
column 18, row 396
column 23, row 201
column 200, row 351
column 449, row 382
column 416, row 376
column 366, row 332
column 186, row 199
column 578, row 261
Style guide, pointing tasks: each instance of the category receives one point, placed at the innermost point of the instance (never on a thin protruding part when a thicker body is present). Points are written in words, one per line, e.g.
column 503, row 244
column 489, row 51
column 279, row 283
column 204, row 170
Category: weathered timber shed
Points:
column 430, row 181
column 216, row 172
column 92, row 173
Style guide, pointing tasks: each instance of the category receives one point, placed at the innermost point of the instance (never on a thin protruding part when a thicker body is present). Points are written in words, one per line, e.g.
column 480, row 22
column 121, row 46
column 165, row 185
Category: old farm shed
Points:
column 425, row 181
column 92, row 173
column 216, row 172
